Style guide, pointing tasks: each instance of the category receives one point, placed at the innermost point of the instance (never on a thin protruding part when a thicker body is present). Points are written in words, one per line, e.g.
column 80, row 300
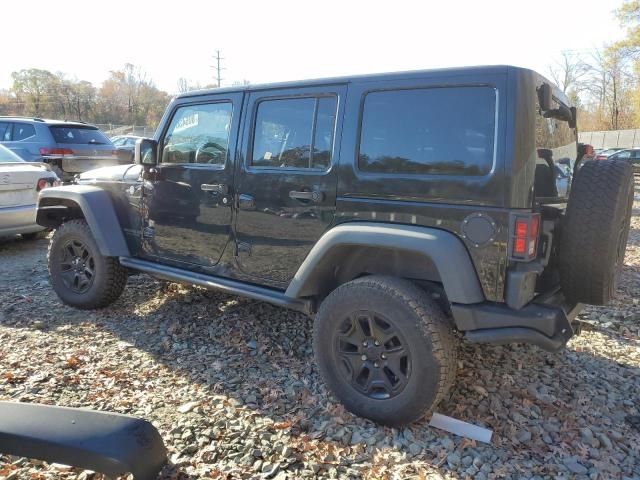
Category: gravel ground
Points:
column 231, row 386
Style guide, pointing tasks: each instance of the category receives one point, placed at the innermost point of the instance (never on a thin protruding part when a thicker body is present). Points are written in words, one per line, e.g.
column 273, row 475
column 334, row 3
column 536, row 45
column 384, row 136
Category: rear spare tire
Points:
column 595, row 231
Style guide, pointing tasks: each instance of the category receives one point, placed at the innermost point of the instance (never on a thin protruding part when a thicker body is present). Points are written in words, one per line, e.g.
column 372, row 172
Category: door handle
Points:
column 314, row 196
column 215, row 188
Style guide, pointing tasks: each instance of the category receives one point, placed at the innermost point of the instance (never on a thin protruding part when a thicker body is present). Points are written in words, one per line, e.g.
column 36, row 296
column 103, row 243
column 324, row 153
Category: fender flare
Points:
column 97, row 209
column 444, row 250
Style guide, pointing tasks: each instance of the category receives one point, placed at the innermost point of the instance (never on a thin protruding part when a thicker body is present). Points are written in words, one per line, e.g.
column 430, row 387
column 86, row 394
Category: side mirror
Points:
column 545, row 97
column 145, row 152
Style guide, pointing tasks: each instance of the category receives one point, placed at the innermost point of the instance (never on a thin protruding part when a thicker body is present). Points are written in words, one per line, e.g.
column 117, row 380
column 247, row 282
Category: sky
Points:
column 278, row 40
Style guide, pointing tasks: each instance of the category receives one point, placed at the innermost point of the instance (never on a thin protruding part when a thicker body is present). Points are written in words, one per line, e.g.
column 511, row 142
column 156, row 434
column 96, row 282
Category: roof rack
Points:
column 18, row 117
column 75, row 121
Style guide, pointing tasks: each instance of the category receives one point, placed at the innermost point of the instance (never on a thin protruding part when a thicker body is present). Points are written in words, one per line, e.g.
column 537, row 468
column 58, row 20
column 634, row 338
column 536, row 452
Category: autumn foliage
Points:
column 127, row 97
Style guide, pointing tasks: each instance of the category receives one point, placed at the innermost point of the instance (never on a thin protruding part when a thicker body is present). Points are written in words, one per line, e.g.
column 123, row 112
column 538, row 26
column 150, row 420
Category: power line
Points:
column 217, row 67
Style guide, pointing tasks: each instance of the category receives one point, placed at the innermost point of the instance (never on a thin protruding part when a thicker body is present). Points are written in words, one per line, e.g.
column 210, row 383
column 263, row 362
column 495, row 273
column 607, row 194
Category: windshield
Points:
column 7, row 156
column 78, row 135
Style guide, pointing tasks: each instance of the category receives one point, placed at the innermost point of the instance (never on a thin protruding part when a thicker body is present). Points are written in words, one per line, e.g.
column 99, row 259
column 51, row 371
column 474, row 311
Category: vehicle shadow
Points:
column 258, row 357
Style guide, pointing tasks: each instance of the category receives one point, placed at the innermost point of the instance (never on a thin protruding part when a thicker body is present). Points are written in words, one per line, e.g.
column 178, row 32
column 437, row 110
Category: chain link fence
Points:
column 111, row 130
column 611, row 138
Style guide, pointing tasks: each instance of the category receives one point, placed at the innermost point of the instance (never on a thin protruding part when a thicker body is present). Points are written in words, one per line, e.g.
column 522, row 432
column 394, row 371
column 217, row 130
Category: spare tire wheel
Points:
column 595, row 231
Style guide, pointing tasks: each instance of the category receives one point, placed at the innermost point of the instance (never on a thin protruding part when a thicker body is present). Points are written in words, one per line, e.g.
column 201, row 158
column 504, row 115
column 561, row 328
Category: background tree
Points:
column 569, row 73
column 35, row 89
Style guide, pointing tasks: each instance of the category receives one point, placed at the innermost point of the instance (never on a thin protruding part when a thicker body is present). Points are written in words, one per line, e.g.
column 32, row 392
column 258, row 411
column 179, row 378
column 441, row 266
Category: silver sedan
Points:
column 20, row 183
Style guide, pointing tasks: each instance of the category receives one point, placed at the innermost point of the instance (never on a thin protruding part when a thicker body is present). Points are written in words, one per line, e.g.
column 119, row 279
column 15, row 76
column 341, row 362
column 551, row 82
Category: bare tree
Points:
column 569, row 72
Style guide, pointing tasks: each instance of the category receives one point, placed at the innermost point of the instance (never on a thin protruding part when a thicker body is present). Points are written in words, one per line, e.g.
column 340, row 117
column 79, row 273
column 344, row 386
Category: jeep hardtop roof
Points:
column 405, row 75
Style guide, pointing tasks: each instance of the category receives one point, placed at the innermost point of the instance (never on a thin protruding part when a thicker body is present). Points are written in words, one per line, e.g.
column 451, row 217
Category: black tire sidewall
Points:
column 422, row 388
column 77, row 231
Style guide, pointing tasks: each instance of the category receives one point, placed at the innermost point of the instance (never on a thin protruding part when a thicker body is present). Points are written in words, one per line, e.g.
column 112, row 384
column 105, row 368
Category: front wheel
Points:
column 80, row 275
column 385, row 349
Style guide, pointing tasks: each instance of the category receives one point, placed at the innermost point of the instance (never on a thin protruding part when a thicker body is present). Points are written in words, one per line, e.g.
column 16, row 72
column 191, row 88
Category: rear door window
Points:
column 22, row 131
column 623, row 154
column 441, row 131
column 294, row 133
column 78, row 135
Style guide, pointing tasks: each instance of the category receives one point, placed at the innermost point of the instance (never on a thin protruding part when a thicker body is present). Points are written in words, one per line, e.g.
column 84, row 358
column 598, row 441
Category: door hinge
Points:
column 243, row 249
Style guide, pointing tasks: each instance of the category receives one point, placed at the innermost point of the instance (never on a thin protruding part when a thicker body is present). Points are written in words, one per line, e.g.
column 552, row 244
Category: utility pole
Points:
column 217, row 67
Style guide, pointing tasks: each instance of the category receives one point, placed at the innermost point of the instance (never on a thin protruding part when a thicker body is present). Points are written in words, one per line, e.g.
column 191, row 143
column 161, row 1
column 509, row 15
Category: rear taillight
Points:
column 524, row 239
column 56, row 151
column 43, row 183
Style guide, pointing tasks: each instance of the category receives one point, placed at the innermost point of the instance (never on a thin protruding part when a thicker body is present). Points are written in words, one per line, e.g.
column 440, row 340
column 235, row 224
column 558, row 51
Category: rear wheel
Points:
column 385, row 349
column 80, row 275
column 595, row 231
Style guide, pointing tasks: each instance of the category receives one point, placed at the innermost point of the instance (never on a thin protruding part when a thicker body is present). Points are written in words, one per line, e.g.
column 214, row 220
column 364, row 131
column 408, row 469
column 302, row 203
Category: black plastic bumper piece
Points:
column 105, row 442
column 547, row 325
column 501, row 336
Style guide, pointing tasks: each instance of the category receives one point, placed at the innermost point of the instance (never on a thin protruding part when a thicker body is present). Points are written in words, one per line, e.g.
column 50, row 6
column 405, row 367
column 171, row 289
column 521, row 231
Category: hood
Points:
column 115, row 173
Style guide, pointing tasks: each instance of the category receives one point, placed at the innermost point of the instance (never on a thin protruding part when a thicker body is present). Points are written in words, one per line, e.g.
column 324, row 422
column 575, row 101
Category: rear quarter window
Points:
column 441, row 131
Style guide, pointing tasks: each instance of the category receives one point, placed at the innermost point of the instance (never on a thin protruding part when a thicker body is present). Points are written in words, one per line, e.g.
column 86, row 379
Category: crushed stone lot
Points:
column 231, row 385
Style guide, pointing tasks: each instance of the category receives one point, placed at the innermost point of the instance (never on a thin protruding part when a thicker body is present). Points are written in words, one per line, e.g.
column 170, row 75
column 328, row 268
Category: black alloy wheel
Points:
column 80, row 275
column 375, row 358
column 77, row 266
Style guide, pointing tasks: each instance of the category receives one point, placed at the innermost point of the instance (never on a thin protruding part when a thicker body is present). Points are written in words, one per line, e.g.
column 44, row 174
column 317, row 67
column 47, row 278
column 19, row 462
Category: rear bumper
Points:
column 546, row 322
column 18, row 219
column 84, row 164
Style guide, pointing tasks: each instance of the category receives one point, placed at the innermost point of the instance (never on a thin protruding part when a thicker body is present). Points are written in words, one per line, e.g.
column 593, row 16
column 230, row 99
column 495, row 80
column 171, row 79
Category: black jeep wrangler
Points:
column 397, row 209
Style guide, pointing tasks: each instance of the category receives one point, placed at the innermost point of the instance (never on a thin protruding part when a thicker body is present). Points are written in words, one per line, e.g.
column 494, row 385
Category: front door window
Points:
column 198, row 134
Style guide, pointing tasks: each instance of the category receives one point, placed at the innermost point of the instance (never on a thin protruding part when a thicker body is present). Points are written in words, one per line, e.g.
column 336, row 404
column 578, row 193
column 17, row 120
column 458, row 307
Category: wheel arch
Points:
column 353, row 249
column 59, row 204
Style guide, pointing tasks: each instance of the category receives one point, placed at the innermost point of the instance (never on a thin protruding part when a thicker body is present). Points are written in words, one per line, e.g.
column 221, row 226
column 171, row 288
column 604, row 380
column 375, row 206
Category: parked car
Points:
column 125, row 145
column 393, row 208
column 20, row 183
column 69, row 147
column 630, row 154
column 608, row 152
